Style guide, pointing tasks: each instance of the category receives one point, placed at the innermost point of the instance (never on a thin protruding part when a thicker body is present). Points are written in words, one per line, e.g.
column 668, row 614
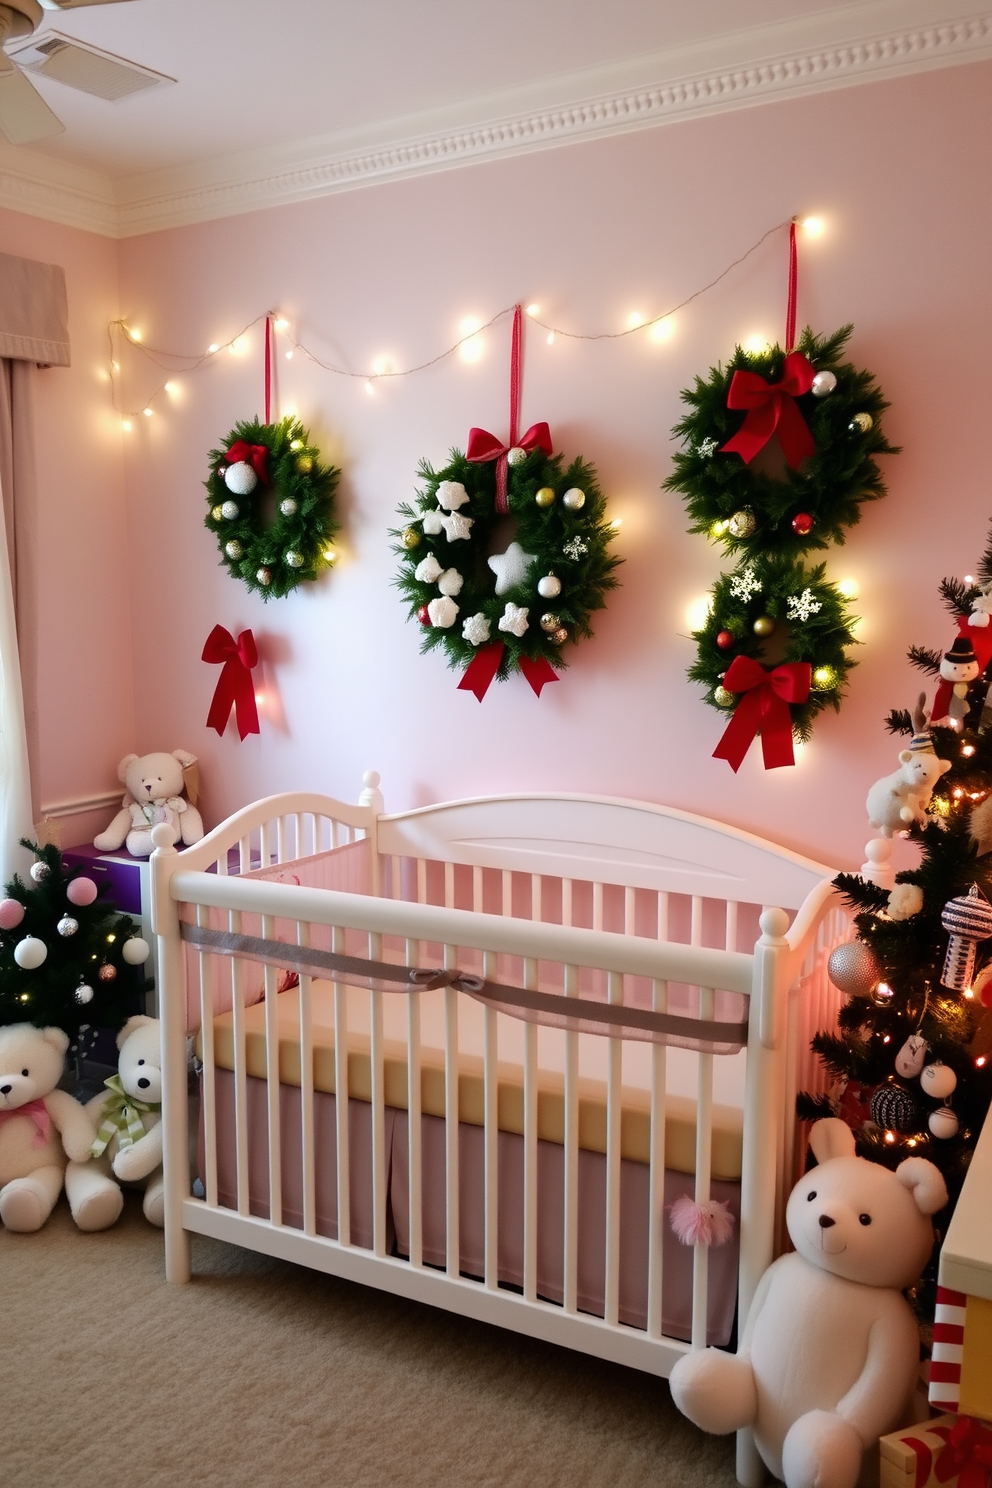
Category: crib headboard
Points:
column 604, row 839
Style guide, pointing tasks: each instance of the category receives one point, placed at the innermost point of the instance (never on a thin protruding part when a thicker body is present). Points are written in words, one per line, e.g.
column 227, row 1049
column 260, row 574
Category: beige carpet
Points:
column 263, row 1373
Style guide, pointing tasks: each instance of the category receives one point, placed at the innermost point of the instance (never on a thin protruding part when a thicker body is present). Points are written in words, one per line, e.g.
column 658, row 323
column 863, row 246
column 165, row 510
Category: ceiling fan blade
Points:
column 24, row 114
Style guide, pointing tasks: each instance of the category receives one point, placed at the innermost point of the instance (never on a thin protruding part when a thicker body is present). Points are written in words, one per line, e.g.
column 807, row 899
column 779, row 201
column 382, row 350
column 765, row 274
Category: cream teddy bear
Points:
column 830, row 1354
column 154, row 794
column 127, row 1118
column 40, row 1127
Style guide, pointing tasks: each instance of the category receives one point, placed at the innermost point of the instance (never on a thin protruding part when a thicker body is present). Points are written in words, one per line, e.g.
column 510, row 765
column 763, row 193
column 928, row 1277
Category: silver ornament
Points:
column 39, row 872
column 909, row 1060
column 240, row 478
column 83, row 994
column 229, row 510
column 289, row 507
column 294, row 559
column 516, row 456
column 823, row 384
column 943, row 1123
column 574, row 499
column 743, row 523
column 264, row 577
column 67, row 925
column 233, row 549
column 853, row 969
column 549, row 587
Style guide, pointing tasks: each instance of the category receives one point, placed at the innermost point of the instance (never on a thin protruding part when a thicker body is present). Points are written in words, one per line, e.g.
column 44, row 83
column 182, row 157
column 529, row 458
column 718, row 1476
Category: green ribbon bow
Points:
column 122, row 1115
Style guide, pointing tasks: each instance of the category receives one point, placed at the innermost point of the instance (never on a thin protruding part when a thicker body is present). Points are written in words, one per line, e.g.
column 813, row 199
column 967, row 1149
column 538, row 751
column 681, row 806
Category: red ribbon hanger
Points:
column 255, row 455
column 764, row 708
column 235, row 688
column 484, row 446
column 486, row 663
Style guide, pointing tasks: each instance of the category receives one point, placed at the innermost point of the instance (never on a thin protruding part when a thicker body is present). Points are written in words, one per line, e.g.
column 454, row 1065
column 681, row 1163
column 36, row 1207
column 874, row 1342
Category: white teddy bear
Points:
column 154, row 794
column 829, row 1358
column 127, row 1118
column 40, row 1127
column 898, row 800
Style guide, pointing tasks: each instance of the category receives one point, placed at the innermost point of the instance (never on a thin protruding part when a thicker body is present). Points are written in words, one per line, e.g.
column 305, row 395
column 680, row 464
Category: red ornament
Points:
column 725, row 639
column 802, row 524
column 423, row 615
column 107, row 972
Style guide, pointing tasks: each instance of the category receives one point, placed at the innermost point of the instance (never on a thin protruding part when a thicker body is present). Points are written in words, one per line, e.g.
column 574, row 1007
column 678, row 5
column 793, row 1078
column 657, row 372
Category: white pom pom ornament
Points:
column 240, row 478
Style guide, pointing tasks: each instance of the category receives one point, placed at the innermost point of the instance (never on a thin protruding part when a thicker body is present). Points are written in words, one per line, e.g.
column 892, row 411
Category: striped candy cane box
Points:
column 948, row 1346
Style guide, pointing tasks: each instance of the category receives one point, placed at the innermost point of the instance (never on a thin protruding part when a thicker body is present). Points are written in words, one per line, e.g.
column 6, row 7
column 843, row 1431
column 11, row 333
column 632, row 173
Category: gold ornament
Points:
column 264, row 577
column 860, row 423
column 233, row 549
column 743, row 523
column 304, row 464
column 217, row 513
column 545, row 496
column 763, row 626
column 550, row 622
column 723, row 698
column 824, row 677
column 410, row 538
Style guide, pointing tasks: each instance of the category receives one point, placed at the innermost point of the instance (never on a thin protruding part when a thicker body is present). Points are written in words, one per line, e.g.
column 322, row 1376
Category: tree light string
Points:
column 179, row 361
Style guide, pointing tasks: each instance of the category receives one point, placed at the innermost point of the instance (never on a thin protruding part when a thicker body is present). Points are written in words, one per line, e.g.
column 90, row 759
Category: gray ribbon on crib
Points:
column 610, row 1019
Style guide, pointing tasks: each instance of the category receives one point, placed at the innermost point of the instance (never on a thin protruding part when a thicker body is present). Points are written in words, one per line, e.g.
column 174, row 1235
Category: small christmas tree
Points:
column 912, row 1053
column 67, row 959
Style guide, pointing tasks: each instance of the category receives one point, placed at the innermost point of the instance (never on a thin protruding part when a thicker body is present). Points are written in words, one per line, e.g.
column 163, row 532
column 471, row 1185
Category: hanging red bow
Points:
column 771, row 409
column 235, row 688
column 485, row 446
column 968, row 1454
column 763, row 707
column 486, row 663
column 255, row 455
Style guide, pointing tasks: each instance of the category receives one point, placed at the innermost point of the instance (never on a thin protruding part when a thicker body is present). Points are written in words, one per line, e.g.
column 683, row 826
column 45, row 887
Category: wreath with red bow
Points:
column 779, row 452
column 271, row 506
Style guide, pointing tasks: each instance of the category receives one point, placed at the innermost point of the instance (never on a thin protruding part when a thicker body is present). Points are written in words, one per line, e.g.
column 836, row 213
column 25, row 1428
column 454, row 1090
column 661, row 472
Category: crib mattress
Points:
column 635, row 1119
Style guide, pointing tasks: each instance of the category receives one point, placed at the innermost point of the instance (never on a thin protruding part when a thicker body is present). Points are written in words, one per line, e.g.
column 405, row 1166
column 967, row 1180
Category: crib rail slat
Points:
column 451, row 1072
column 611, row 1291
column 272, row 1085
column 571, row 1227
column 341, row 1094
column 414, row 1078
column 307, row 1094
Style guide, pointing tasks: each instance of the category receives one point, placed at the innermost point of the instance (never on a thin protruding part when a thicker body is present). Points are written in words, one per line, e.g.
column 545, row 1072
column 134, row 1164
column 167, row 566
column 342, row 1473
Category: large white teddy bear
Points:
column 830, row 1353
column 40, row 1127
column 127, row 1117
column 154, row 794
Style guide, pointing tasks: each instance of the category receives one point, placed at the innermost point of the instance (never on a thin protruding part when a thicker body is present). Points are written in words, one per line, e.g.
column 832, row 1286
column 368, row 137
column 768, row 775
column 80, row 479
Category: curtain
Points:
column 33, row 331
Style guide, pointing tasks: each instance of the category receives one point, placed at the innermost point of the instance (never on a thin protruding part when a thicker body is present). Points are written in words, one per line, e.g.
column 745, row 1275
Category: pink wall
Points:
column 591, row 232
column 82, row 628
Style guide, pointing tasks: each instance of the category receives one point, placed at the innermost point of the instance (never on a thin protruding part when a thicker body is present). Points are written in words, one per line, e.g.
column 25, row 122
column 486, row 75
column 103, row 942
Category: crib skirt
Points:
column 634, row 1204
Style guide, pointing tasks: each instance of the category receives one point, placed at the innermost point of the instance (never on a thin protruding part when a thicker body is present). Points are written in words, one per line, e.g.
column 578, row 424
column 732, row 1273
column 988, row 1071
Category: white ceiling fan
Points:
column 24, row 114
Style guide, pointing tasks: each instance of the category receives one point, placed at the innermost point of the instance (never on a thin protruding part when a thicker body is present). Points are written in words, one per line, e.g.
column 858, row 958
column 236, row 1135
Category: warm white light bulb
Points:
column 289, row 356
column 471, row 350
column 134, row 335
column 369, row 387
column 663, row 329
column 533, row 309
column 147, row 412
column 635, row 318
column 126, row 425
column 813, row 225
column 849, row 588
column 757, row 343
column 330, row 555
column 617, row 523
column 212, row 348
column 281, row 324
column 551, row 338
column 170, row 388
column 698, row 612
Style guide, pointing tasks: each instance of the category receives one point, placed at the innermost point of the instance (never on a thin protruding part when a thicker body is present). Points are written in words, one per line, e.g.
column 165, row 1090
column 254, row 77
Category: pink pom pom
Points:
column 702, row 1224
column 11, row 914
column 81, row 891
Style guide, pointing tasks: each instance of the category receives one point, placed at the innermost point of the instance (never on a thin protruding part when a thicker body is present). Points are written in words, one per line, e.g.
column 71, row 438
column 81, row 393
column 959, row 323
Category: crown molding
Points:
column 859, row 43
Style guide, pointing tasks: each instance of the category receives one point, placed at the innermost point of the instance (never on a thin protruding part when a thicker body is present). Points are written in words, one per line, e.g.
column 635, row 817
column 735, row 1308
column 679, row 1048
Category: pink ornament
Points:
column 11, row 914
column 81, row 891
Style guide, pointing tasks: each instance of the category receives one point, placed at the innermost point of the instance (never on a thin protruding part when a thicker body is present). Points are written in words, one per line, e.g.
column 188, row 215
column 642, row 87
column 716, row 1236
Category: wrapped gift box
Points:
column 913, row 1458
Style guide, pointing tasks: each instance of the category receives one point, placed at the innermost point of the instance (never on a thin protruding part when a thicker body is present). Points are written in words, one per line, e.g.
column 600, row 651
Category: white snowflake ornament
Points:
column 745, row 584
column 450, row 582
column 428, row 570
column 514, row 619
column 801, row 606
column 510, row 567
column 575, row 548
column 442, row 612
column 476, row 629
column 707, row 448
column 451, row 495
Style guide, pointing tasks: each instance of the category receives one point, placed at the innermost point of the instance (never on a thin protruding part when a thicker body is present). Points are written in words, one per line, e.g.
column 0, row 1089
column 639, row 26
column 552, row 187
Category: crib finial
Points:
column 372, row 796
column 876, row 868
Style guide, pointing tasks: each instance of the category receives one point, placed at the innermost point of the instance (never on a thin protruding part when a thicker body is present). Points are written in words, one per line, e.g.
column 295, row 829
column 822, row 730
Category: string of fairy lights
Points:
column 469, row 345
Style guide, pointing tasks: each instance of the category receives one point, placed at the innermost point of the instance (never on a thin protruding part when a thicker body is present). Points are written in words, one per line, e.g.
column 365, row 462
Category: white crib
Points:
column 596, row 941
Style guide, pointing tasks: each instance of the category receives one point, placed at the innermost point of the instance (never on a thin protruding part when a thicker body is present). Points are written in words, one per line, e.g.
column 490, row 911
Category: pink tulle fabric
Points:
column 702, row 1224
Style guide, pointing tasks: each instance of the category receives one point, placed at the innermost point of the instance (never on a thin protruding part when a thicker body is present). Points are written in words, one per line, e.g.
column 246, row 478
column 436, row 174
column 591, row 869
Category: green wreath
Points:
column 775, row 611
column 550, row 571
column 753, row 511
column 271, row 507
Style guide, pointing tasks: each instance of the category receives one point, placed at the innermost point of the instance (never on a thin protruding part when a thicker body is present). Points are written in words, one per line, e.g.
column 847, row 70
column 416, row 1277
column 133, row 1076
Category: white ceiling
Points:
column 298, row 97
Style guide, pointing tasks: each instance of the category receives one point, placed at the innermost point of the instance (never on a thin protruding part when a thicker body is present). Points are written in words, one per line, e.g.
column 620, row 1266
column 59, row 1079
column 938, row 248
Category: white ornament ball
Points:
column 294, row 559
column 240, row 478
column 516, row 456
column 264, row 577
column 136, row 951
column 574, row 499
column 83, row 994
column 230, row 510
column 289, row 507
column 30, row 952
column 549, row 587
column 823, row 384
column 943, row 1123
column 67, row 925
column 233, row 549
column 938, row 1081
column 39, row 872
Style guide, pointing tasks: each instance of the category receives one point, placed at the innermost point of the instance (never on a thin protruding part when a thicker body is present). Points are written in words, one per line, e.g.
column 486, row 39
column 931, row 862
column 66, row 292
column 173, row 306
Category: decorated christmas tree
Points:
column 912, row 1053
column 67, row 958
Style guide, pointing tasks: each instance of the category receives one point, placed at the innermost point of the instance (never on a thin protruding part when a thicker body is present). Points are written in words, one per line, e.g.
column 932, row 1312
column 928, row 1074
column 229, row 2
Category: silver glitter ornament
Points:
column 853, row 969
column 516, row 456
column 39, row 872
column 574, row 499
column 743, row 523
column 264, row 577
column 233, row 549
column 294, row 559
column 229, row 510
column 83, row 994
column 289, row 507
column 67, row 925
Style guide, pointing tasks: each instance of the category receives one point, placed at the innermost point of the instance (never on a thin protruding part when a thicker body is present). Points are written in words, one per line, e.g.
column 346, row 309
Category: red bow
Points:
column 36, row 1111
column 484, row 446
column 763, row 707
column 771, row 409
column 486, row 663
column 234, row 685
column 968, row 1453
column 255, row 455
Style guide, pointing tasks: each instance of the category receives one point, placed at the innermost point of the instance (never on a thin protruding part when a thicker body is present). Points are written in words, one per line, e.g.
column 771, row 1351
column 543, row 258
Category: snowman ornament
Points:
column 959, row 668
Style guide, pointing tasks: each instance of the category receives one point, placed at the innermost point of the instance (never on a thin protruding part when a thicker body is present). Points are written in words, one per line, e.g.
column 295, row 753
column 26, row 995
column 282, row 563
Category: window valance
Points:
column 34, row 312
